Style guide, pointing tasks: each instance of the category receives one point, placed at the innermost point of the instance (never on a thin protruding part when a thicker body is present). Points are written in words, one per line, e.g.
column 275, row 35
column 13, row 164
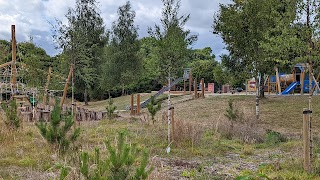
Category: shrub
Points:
column 119, row 165
column 273, row 137
column 110, row 108
column 12, row 120
column 58, row 132
column 153, row 107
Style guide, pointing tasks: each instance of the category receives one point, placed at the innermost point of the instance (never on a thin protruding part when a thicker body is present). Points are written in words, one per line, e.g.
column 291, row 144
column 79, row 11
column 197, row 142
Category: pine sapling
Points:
column 110, row 108
column 58, row 131
column 12, row 120
column 153, row 107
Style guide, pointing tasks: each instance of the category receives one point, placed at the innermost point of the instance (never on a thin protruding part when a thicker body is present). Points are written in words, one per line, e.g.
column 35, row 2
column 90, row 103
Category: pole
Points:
column 65, row 90
column 195, row 89
column 202, row 87
column 306, row 141
column 138, row 104
column 132, row 104
column 169, row 113
column 46, row 87
column 14, row 57
column 172, row 121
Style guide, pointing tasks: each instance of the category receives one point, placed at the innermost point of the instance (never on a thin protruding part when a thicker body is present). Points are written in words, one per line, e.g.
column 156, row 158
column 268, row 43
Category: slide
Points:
column 164, row 89
column 290, row 88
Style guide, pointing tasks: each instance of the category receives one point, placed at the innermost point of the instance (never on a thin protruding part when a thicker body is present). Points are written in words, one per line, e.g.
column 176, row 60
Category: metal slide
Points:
column 164, row 89
column 290, row 88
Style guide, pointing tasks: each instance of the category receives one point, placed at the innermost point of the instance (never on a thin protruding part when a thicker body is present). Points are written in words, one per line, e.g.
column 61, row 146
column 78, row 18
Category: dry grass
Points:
column 26, row 152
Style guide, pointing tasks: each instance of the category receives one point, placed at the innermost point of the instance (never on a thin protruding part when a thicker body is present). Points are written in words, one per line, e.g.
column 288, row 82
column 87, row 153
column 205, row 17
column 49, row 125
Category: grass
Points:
column 24, row 153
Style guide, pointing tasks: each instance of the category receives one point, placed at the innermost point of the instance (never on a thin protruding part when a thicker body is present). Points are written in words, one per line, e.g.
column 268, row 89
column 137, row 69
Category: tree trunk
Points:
column 85, row 97
column 257, row 99
column 261, row 95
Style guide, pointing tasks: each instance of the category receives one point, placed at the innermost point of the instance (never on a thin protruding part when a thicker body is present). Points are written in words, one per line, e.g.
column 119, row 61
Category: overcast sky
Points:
column 31, row 18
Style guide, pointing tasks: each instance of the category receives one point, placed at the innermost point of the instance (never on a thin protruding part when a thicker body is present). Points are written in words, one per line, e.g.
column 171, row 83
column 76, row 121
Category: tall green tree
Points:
column 123, row 61
column 82, row 40
column 246, row 26
column 173, row 40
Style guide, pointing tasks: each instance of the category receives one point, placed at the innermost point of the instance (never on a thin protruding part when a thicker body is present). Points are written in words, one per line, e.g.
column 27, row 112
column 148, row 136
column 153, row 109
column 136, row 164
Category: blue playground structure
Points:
column 289, row 83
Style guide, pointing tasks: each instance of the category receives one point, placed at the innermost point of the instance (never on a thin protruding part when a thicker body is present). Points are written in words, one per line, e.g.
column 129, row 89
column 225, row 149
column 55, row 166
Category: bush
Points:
column 119, row 165
column 57, row 133
column 273, row 137
column 12, row 120
column 153, row 107
column 110, row 108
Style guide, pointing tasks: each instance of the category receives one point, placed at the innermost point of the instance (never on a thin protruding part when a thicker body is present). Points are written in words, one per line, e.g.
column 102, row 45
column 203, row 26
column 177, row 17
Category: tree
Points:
column 202, row 64
column 153, row 107
column 82, row 40
column 246, row 25
column 123, row 62
column 12, row 120
column 173, row 41
column 58, row 133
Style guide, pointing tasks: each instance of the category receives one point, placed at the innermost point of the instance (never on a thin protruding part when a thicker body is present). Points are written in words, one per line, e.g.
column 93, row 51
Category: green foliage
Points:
column 153, row 107
column 172, row 41
column 122, row 64
column 12, row 120
column 231, row 113
column 121, row 163
column 82, row 40
column 58, row 131
column 110, row 108
column 273, row 137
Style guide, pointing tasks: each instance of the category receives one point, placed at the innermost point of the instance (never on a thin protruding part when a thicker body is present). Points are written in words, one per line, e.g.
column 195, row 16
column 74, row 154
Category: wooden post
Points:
column 132, row 104
column 14, row 57
column 195, row 89
column 138, row 104
column 46, row 87
column 202, row 87
column 278, row 81
column 172, row 123
column 302, row 82
column 65, row 90
column 184, row 87
column 269, row 85
column 190, row 82
column 306, row 141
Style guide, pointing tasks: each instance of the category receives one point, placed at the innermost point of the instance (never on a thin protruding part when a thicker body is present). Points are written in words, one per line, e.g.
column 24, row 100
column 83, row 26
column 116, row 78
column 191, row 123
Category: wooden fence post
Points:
column 131, row 104
column 172, row 123
column 138, row 104
column 202, row 87
column 195, row 86
column 306, row 141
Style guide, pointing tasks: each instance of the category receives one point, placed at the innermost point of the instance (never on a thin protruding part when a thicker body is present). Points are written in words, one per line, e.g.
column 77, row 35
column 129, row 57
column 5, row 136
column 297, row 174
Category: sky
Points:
column 33, row 18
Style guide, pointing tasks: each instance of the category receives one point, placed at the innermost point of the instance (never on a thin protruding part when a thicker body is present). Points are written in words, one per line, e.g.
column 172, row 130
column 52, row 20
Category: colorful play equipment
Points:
column 289, row 83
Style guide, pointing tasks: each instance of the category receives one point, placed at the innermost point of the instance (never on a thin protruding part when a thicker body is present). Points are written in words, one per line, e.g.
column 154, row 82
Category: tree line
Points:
column 259, row 35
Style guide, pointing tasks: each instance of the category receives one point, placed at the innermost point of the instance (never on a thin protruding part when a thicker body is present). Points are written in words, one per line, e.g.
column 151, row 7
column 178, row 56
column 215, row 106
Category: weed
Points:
column 187, row 133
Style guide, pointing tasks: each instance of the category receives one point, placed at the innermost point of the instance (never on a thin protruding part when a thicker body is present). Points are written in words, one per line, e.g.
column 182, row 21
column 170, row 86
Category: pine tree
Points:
column 82, row 41
column 12, row 120
column 120, row 163
column 110, row 108
column 58, row 131
column 153, row 107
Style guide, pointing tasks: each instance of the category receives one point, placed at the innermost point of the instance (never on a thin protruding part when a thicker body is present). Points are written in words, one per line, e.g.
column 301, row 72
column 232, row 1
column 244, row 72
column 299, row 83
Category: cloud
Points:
column 32, row 18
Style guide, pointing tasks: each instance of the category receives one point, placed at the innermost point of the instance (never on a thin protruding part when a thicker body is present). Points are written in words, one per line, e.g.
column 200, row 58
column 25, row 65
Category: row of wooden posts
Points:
column 44, row 113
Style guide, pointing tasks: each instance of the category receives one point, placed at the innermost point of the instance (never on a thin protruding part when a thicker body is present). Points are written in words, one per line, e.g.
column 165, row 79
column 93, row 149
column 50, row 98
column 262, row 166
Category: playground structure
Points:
column 187, row 77
column 284, row 84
